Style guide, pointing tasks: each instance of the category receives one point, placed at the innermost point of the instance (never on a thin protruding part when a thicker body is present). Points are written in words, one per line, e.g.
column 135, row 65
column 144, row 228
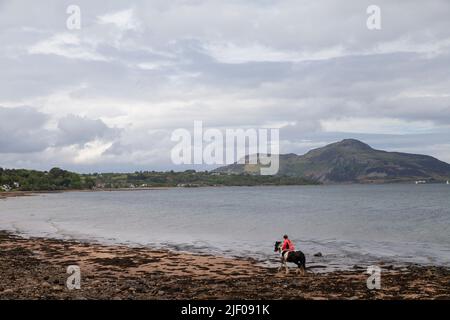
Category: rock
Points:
column 160, row 292
column 140, row 289
column 7, row 291
column 318, row 254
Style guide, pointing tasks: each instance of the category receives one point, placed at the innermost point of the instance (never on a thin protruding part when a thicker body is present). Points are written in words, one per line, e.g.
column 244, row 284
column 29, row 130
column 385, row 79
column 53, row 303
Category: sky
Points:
column 107, row 96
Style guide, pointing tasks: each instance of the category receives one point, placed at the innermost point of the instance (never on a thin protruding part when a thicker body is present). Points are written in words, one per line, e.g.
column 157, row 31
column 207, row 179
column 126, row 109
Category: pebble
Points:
column 8, row 291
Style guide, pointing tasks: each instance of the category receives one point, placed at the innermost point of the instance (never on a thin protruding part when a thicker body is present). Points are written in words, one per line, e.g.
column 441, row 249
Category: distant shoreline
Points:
column 14, row 194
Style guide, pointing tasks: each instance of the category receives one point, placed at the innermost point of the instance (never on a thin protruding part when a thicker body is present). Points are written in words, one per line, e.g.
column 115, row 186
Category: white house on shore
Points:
column 7, row 187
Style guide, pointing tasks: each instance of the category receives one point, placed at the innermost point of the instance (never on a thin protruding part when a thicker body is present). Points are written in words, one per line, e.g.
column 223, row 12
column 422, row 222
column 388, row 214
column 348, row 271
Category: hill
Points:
column 352, row 161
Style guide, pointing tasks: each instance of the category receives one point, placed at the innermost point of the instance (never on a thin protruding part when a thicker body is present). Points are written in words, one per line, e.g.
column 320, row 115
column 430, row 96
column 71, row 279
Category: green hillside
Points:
column 351, row 161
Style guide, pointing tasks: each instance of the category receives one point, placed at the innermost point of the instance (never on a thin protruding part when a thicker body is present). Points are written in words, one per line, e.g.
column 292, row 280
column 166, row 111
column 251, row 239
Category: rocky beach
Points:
column 36, row 268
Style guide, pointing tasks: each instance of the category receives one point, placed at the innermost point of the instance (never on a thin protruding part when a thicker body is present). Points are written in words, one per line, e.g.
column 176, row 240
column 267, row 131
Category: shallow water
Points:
column 352, row 224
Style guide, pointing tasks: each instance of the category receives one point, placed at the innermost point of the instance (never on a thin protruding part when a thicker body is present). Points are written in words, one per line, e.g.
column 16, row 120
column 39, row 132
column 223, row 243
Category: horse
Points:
column 296, row 257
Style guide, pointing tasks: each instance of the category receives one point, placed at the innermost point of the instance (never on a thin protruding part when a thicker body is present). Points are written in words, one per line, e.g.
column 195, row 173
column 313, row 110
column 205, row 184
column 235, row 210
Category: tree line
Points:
column 33, row 180
column 59, row 179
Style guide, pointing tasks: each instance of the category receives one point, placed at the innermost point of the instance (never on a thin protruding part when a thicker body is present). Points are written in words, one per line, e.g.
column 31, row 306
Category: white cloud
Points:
column 231, row 53
column 155, row 65
column 377, row 126
column 429, row 48
column 124, row 20
column 91, row 152
column 228, row 52
column 68, row 45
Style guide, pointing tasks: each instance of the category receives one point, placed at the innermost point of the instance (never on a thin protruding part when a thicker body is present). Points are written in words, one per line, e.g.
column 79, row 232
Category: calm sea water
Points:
column 354, row 224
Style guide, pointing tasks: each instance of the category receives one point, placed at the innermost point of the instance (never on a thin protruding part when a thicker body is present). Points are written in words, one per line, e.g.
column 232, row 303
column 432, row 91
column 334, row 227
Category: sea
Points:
column 337, row 227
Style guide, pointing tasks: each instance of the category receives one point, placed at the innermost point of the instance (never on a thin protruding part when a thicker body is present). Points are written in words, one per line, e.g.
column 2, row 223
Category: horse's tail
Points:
column 302, row 263
column 302, row 260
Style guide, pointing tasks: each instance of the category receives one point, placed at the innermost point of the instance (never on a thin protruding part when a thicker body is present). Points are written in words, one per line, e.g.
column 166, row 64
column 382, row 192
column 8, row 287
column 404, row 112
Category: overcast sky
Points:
column 108, row 96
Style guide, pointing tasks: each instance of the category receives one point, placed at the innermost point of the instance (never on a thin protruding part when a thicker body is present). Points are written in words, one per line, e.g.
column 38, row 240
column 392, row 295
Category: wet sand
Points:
column 36, row 269
column 13, row 194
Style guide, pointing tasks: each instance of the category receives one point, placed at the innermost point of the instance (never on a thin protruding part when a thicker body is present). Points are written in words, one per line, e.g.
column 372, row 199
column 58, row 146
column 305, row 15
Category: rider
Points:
column 287, row 244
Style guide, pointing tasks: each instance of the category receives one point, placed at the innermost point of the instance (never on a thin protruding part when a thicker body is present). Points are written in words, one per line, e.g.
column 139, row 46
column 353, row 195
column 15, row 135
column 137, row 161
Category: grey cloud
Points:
column 76, row 130
column 22, row 130
column 26, row 130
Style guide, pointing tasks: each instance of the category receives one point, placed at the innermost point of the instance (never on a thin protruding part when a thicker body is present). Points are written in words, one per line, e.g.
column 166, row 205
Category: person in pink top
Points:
column 287, row 244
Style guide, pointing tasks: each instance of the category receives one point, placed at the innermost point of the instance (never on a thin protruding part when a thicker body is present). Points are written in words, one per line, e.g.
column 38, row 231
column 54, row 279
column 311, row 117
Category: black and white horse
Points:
column 296, row 257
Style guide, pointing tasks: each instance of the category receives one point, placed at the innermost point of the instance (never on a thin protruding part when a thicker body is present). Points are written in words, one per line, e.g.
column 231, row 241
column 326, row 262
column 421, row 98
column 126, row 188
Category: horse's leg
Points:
column 281, row 264
column 284, row 257
column 302, row 264
column 298, row 266
column 301, row 269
